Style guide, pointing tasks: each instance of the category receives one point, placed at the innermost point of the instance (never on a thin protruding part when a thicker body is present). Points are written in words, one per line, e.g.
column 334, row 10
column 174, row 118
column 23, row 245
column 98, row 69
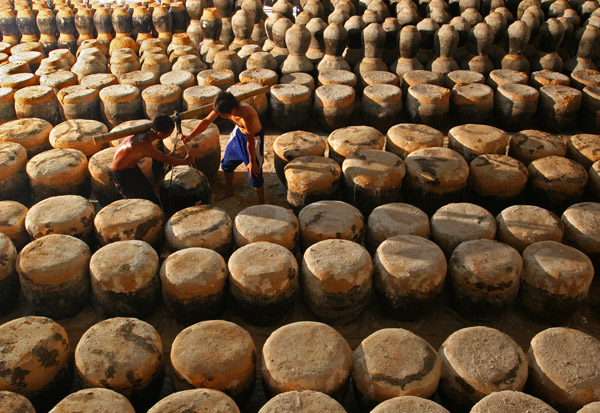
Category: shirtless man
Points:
column 129, row 179
column 246, row 143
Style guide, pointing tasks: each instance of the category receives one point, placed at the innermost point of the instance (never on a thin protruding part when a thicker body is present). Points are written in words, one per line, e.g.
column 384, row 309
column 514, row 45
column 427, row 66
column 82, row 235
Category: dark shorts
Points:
column 236, row 152
column 131, row 183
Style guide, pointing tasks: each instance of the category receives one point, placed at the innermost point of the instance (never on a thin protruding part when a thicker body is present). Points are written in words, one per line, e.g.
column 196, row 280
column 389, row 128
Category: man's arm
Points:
column 202, row 126
column 252, row 164
column 150, row 151
column 252, row 123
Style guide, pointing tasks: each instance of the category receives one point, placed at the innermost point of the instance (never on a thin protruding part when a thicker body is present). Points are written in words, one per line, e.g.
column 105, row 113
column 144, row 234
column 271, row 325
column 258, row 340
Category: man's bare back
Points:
column 246, row 118
column 135, row 147
column 128, row 178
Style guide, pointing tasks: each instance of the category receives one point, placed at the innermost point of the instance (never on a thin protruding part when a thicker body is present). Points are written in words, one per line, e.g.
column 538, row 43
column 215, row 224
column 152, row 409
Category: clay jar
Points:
column 51, row 65
column 37, row 102
column 156, row 63
column 407, row 14
column 194, row 30
column 409, row 42
column 26, row 25
column 314, row 8
column 79, row 102
column 445, row 42
column 285, row 8
column 259, row 34
column 262, row 60
column 269, row 22
column 590, row 109
column 254, row 9
column 194, row 9
column 65, row 55
column 518, row 38
column 463, row 28
column 211, row 32
column 87, row 65
column 179, row 40
column 225, row 8
column 163, row 23
column 190, row 63
column 335, row 38
column 354, row 52
column 373, row 39
column 65, row 21
column 124, row 63
column 280, row 51
column 103, row 24
column 334, row 105
column 242, row 24
column 391, row 27
column 142, row 22
column 297, row 40
column 90, row 44
column 179, row 17
column 91, row 51
column 120, row 103
column 551, row 35
column 346, row 7
column 290, row 105
column 480, row 41
column 316, row 49
column 211, row 24
column 123, row 24
column 515, row 105
column 228, row 60
column 427, row 27
column 46, row 23
column 8, row 27
column 84, row 23
column 585, row 50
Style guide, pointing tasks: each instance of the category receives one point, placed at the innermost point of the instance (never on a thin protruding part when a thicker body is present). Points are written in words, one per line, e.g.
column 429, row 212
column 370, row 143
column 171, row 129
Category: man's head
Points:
column 163, row 125
column 225, row 104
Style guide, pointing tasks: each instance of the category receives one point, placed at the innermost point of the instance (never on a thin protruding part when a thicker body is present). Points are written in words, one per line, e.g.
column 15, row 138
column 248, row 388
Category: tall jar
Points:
column 163, row 23
column 225, row 8
column 335, row 38
column 123, row 25
column 242, row 25
column 121, row 21
column 46, row 23
column 65, row 21
column 26, row 25
column 142, row 22
column 211, row 31
column 194, row 30
column 179, row 17
column 297, row 40
column 269, row 22
column 8, row 27
column 84, row 23
column 103, row 24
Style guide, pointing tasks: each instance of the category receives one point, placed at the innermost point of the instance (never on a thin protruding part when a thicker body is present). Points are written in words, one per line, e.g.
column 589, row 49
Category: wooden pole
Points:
column 201, row 110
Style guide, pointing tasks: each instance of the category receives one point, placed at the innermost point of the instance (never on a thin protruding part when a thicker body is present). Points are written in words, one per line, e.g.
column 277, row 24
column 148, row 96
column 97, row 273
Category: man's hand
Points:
column 188, row 160
column 254, row 169
column 185, row 138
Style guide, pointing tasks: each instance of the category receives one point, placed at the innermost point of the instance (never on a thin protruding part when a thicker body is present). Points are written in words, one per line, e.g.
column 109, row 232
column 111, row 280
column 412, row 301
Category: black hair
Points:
column 163, row 124
column 225, row 102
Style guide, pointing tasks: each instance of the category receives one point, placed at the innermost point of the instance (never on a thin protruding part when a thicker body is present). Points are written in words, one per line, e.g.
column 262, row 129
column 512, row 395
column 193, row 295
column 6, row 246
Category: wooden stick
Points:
column 201, row 110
